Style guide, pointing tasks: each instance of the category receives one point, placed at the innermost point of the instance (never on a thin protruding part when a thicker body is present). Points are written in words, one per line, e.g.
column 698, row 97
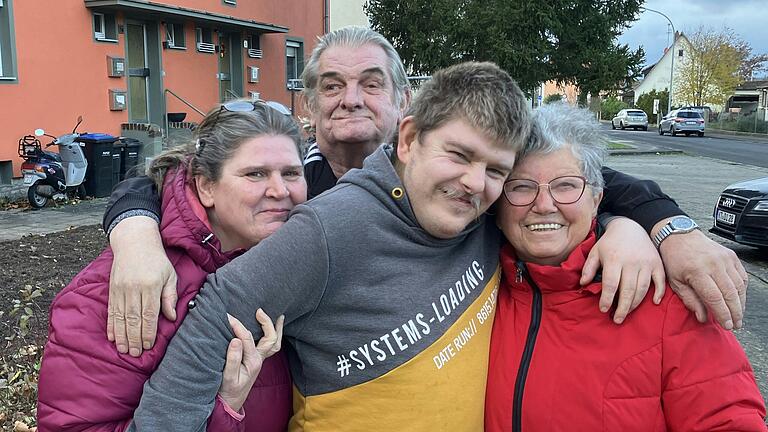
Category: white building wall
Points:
column 658, row 78
column 347, row 12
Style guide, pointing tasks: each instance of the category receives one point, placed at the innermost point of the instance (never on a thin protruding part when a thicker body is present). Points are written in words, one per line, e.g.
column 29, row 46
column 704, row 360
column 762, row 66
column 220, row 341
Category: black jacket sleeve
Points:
column 640, row 200
column 137, row 193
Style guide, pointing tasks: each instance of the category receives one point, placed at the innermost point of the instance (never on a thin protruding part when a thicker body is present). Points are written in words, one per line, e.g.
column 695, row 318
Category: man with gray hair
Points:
column 389, row 319
column 357, row 92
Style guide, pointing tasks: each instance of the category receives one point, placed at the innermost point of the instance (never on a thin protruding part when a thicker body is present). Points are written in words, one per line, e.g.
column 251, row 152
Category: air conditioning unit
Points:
column 206, row 47
column 255, row 53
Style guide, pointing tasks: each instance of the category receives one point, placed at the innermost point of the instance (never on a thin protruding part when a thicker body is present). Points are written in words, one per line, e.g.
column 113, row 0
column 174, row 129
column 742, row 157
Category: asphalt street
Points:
column 743, row 149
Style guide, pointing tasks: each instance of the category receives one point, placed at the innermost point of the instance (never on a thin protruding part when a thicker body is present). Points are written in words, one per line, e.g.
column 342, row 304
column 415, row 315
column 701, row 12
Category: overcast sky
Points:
column 748, row 18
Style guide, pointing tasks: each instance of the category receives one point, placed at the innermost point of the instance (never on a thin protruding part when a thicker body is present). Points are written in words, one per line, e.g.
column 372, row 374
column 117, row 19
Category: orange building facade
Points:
column 124, row 64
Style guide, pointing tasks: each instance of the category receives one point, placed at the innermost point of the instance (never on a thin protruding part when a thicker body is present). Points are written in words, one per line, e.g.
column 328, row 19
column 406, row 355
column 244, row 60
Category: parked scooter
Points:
column 48, row 173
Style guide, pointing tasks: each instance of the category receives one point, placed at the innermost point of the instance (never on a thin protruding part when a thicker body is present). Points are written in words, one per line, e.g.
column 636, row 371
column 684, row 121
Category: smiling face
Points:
column 451, row 174
column 546, row 232
column 355, row 97
column 259, row 186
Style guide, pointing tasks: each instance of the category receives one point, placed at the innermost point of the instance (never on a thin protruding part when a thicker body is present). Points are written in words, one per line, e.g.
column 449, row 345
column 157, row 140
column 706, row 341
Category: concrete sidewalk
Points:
column 20, row 222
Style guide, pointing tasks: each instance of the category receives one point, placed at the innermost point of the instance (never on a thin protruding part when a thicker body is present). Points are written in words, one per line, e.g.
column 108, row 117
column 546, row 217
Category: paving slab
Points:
column 16, row 223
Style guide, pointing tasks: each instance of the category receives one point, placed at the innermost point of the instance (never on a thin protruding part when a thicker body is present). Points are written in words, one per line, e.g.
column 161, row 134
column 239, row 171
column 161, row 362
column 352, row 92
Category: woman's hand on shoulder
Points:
column 245, row 357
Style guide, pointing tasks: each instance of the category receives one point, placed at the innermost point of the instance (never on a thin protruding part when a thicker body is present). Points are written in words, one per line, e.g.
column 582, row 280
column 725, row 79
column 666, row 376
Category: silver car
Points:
column 684, row 121
column 630, row 118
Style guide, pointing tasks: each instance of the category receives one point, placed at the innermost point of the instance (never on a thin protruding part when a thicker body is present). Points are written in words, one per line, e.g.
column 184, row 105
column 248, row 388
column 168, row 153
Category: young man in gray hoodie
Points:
column 387, row 282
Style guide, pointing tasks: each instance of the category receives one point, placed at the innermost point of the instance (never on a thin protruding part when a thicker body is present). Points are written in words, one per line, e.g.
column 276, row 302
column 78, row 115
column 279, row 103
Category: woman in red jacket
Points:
column 556, row 362
column 230, row 188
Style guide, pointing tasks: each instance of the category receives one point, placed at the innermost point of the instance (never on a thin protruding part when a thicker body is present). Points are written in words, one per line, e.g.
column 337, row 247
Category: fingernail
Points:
column 618, row 320
column 147, row 345
column 739, row 323
column 729, row 325
column 603, row 309
column 135, row 352
column 122, row 349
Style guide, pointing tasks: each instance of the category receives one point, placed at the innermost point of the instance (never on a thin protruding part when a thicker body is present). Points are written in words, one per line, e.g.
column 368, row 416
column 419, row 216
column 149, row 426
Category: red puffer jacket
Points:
column 85, row 384
column 560, row 364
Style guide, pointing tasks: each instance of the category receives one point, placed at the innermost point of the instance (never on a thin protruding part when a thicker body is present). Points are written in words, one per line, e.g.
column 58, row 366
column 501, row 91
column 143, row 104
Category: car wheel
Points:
column 613, row 126
column 672, row 131
column 621, row 125
column 701, row 134
column 661, row 131
column 645, row 128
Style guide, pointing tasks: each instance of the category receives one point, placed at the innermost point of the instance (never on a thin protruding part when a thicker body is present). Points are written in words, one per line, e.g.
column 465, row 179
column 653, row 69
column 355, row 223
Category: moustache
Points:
column 473, row 199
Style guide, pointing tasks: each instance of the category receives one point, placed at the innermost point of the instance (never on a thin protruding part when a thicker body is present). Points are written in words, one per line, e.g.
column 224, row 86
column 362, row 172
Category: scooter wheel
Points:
column 36, row 200
column 81, row 194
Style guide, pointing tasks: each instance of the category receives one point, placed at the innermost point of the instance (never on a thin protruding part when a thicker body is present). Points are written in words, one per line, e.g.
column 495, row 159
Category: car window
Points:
column 636, row 113
column 689, row 114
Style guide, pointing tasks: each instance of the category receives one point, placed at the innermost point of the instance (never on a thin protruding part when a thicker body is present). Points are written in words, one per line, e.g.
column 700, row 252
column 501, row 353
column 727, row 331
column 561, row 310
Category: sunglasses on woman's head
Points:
column 242, row 106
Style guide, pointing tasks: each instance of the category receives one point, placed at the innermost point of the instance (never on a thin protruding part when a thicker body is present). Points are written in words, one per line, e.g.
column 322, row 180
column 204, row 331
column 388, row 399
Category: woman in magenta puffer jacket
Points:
column 221, row 194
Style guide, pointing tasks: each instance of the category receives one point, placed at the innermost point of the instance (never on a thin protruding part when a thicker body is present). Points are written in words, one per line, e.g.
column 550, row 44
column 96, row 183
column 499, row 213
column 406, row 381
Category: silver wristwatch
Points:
column 678, row 225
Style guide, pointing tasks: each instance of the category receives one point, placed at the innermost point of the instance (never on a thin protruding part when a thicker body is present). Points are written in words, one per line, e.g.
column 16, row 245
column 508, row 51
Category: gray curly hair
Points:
column 557, row 126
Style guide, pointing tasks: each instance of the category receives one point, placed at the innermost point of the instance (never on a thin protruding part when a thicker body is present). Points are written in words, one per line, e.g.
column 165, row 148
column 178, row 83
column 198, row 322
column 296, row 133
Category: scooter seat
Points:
column 51, row 156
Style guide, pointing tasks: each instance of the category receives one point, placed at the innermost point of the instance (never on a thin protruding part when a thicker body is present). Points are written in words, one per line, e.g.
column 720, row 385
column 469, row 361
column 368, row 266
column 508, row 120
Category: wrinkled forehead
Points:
column 354, row 62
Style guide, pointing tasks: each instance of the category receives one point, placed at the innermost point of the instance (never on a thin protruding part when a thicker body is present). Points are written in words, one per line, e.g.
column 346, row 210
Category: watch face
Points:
column 682, row 223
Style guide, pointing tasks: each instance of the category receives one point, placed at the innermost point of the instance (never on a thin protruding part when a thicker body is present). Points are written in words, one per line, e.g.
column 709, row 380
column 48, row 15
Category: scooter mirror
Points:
column 80, row 119
column 39, row 132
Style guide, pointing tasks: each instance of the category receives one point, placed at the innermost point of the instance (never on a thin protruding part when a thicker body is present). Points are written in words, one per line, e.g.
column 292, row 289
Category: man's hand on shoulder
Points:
column 142, row 282
column 629, row 262
column 705, row 275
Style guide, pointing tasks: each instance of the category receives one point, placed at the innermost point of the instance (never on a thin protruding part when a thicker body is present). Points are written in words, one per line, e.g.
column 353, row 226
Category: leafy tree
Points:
column 566, row 41
column 554, row 97
column 710, row 71
column 610, row 107
column 645, row 102
column 751, row 64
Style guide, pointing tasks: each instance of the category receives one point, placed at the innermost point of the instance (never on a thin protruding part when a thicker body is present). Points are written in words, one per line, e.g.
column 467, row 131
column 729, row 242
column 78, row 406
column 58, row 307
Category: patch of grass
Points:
column 618, row 146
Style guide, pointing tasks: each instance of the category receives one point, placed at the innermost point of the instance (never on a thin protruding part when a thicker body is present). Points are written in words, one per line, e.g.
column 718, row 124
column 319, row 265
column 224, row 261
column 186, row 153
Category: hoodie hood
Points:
column 379, row 178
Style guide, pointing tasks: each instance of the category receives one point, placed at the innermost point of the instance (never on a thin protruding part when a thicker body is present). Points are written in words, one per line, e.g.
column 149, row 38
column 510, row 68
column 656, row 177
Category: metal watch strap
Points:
column 663, row 233
column 669, row 229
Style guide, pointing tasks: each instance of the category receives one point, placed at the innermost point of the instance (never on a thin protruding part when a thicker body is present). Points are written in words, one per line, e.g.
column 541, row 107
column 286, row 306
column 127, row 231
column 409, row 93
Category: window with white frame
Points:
column 174, row 36
column 7, row 43
column 204, row 40
column 104, row 27
column 98, row 26
column 294, row 60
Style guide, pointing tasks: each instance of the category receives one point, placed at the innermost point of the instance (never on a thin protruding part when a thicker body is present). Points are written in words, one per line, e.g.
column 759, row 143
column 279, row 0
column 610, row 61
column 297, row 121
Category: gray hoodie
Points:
column 387, row 327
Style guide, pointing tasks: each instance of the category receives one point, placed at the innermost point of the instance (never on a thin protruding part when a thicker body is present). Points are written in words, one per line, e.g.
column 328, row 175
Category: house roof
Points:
column 753, row 85
column 150, row 8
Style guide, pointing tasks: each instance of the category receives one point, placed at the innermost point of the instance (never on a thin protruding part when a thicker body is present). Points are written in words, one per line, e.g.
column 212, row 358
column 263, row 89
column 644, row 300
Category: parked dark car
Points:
column 741, row 213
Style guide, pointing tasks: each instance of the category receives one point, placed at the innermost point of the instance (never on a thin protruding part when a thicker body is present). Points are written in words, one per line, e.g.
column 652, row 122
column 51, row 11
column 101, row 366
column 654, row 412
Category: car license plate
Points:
column 28, row 179
column 726, row 217
column 690, row 122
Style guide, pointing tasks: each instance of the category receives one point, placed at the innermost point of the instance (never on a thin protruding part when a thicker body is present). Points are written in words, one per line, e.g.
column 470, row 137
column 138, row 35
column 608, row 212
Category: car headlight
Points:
column 762, row 206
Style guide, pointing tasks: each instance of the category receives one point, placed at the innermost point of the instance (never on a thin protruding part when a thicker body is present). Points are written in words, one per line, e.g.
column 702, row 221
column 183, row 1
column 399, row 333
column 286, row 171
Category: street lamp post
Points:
column 672, row 65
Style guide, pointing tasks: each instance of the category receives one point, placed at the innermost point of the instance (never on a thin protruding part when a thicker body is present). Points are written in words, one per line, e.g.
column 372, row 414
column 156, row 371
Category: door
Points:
column 138, row 72
column 225, row 68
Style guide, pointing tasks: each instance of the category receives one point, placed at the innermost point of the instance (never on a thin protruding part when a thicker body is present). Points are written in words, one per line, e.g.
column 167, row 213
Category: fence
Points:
column 752, row 122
